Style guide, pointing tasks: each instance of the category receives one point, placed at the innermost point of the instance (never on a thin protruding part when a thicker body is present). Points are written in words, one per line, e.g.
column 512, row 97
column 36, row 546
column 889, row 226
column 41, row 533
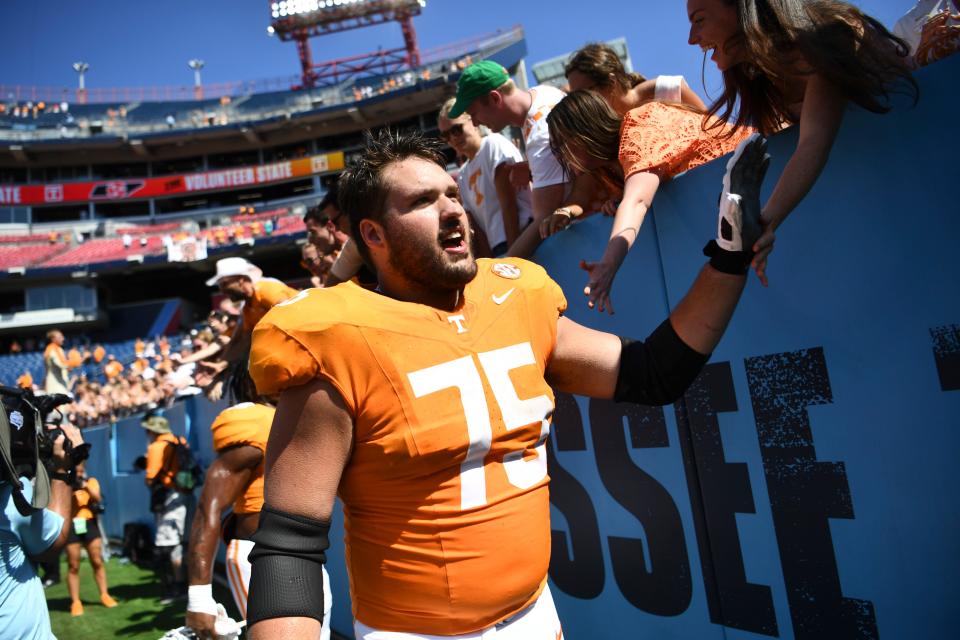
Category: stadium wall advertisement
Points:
column 133, row 188
column 805, row 485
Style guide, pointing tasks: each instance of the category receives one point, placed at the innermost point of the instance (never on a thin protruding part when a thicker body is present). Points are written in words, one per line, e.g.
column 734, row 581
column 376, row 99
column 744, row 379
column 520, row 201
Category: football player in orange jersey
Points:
column 425, row 405
column 234, row 479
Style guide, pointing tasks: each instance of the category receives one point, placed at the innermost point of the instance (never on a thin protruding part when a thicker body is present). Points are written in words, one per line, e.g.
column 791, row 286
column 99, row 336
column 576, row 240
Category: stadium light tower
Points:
column 300, row 20
column 81, row 68
column 196, row 64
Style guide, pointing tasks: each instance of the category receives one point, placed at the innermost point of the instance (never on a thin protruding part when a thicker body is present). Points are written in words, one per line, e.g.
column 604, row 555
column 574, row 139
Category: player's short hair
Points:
column 363, row 193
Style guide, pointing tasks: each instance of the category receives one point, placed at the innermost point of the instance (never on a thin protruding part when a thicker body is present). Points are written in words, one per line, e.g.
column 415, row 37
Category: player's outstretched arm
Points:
column 659, row 369
column 225, row 481
column 309, row 445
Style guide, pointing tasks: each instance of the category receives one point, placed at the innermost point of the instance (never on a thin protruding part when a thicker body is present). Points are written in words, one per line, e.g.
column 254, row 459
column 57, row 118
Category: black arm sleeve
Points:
column 286, row 573
column 658, row 370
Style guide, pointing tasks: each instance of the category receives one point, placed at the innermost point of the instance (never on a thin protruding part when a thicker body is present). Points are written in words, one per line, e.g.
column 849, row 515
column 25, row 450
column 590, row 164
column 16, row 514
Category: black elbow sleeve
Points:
column 659, row 370
column 286, row 574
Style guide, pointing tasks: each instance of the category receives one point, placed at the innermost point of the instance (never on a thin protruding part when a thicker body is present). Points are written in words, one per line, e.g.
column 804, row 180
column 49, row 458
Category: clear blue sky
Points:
column 137, row 43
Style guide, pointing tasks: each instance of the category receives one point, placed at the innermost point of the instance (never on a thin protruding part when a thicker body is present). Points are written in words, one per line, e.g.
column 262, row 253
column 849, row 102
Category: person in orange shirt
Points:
column 426, row 406
column 243, row 282
column 138, row 347
column 25, row 381
column 113, row 368
column 630, row 155
column 98, row 353
column 235, row 478
column 171, row 506
column 85, row 531
column 74, row 358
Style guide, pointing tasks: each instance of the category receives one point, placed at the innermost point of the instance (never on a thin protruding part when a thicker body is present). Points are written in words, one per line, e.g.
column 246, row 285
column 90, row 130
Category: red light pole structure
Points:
column 300, row 20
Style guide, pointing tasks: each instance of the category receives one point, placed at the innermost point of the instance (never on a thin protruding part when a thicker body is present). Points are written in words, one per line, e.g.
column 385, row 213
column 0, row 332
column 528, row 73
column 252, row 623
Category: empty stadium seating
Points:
column 28, row 255
column 148, row 229
column 33, row 237
column 105, row 250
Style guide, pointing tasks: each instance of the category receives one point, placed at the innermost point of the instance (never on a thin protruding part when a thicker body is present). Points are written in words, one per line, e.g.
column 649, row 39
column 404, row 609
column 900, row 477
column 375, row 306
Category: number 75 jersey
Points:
column 445, row 495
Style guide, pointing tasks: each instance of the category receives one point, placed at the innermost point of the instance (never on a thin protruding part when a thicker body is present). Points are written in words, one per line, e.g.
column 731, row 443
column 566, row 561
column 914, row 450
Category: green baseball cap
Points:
column 478, row 79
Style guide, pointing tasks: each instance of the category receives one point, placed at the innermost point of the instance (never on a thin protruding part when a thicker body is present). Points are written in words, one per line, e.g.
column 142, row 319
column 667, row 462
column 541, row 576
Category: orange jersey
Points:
column 267, row 292
column 112, row 369
column 245, row 424
column 445, row 496
column 666, row 140
column 81, row 500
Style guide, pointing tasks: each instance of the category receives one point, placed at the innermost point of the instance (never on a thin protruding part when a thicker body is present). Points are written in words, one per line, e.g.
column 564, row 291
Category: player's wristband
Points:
column 200, row 599
column 733, row 262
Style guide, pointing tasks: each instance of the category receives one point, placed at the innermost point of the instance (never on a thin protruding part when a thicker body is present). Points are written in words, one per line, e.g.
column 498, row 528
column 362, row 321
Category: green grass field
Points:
column 139, row 615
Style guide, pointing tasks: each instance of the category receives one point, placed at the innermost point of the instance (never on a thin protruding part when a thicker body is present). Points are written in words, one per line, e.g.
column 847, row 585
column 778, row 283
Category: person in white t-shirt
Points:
column 486, row 92
column 499, row 209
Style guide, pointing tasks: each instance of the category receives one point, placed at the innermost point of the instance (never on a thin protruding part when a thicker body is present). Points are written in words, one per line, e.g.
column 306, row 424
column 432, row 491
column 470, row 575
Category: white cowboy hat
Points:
column 228, row 267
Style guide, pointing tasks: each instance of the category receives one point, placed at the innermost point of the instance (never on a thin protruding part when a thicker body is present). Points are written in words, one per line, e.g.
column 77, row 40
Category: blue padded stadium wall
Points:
column 805, row 487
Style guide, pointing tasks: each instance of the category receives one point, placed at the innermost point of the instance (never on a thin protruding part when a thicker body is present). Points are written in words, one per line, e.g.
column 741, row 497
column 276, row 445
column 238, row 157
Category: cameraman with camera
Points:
column 37, row 471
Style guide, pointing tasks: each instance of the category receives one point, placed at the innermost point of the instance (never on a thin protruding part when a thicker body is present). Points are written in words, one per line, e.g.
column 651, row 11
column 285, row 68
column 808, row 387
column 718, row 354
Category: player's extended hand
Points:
column 202, row 624
column 554, row 223
column 741, row 224
column 520, row 175
column 599, row 282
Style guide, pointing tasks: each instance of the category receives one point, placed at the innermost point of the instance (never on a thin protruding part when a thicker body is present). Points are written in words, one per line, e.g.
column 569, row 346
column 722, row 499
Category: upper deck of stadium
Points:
column 37, row 121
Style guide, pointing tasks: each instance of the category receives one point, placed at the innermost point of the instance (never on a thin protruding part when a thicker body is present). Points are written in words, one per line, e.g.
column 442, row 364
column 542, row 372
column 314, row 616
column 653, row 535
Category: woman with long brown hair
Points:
column 597, row 67
column 796, row 62
column 629, row 156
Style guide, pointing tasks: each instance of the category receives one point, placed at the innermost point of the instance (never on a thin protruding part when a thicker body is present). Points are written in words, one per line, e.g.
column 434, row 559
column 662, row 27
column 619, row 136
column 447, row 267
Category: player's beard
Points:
column 423, row 260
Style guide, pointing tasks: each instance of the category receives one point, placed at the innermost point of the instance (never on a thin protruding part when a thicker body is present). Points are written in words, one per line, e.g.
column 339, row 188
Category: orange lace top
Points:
column 667, row 140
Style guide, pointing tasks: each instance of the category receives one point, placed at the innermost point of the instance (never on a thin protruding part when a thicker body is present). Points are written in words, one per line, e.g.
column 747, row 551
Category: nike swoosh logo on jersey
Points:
column 501, row 299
